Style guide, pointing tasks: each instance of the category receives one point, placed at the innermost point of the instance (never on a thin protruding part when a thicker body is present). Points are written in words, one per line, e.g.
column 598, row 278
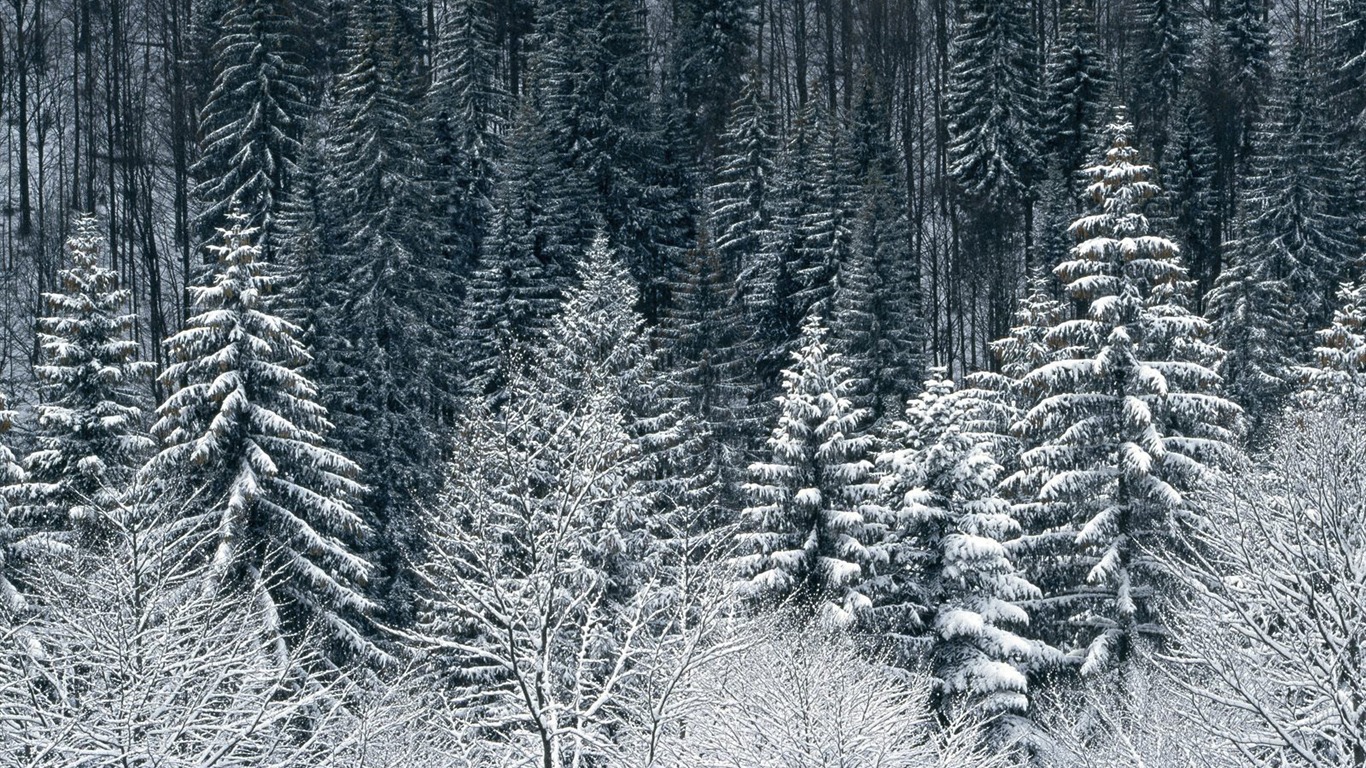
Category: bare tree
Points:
column 1275, row 631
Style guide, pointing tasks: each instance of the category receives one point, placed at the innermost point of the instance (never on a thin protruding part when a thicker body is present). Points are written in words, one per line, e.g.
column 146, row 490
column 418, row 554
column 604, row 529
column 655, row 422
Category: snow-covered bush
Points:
column 776, row 693
column 1274, row 629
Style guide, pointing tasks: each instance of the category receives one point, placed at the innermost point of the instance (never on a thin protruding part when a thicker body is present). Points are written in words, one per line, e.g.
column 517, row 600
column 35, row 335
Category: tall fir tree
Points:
column 91, row 432
column 1076, row 89
column 463, row 110
column 710, row 47
column 810, row 535
column 387, row 359
column 253, row 120
column 245, row 460
column 993, row 150
column 1162, row 43
column 1189, row 206
column 739, row 199
column 943, row 476
column 1128, row 423
column 825, row 229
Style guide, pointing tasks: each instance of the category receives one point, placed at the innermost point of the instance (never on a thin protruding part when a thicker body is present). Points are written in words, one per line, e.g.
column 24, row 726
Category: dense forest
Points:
column 682, row 383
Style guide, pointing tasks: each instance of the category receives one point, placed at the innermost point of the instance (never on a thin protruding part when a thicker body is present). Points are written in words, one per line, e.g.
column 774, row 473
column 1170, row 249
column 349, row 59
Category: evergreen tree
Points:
column 463, row 107
column 825, row 229
column 19, row 540
column 245, row 458
column 739, row 198
column 253, row 121
column 1189, row 205
column 598, row 347
column 1128, row 423
column 387, row 357
column 1160, row 63
column 808, row 536
column 993, row 101
column 943, row 476
column 1290, row 208
column 710, row 44
column 705, row 345
column 1340, row 357
column 91, row 433
column 1077, row 85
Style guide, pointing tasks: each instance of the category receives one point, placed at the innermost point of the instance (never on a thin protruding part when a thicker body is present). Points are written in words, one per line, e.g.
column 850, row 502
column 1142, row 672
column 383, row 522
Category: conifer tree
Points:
column 1163, row 49
column 825, row 229
column 462, row 109
column 993, row 150
column 739, row 199
column 1077, row 85
column 387, row 359
column 19, row 540
column 1189, row 206
column 1128, row 423
column 598, row 347
column 91, row 434
column 1290, row 212
column 1340, row 356
column 943, row 476
column 704, row 343
column 711, row 42
column 245, row 458
column 811, row 533
column 252, row 123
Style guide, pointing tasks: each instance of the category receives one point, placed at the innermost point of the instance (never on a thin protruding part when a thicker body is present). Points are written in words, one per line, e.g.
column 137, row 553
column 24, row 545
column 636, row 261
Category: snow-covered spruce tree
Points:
column 463, row 108
column 529, row 257
column 704, row 341
column 1292, row 215
column 738, row 200
column 808, row 537
column 91, row 436
column 252, row 123
column 19, row 540
column 1339, row 366
column 386, row 363
column 711, row 45
column 1188, row 206
column 950, row 533
column 1128, row 424
column 1161, row 53
column 877, row 323
column 1077, row 86
column 825, row 230
column 244, row 456
column 598, row 347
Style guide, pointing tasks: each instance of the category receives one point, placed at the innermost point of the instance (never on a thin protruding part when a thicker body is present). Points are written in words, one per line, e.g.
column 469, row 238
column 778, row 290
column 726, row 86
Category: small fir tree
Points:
column 91, row 433
column 811, row 530
column 943, row 477
column 1340, row 356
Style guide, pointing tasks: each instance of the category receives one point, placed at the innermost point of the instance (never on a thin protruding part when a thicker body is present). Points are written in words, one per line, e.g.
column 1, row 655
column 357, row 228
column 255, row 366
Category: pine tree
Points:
column 245, row 459
column 943, row 476
column 252, row 123
column 808, row 536
column 1128, row 423
column 1077, row 85
column 1340, row 357
column 91, row 433
column 1189, row 206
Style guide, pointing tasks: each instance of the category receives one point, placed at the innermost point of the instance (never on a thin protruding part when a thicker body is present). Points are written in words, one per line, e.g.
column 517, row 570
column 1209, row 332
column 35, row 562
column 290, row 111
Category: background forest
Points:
column 682, row 383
